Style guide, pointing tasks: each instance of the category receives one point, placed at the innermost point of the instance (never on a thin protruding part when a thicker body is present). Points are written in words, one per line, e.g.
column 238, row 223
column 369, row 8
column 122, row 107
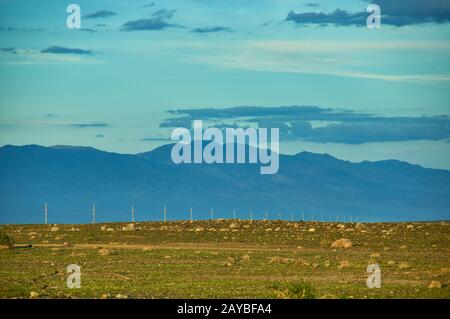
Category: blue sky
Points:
column 137, row 67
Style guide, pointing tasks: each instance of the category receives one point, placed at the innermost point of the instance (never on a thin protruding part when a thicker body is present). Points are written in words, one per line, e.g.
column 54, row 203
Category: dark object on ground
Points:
column 21, row 246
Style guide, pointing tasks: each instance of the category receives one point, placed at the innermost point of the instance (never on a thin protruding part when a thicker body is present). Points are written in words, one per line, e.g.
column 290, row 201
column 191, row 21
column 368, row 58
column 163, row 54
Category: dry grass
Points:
column 226, row 259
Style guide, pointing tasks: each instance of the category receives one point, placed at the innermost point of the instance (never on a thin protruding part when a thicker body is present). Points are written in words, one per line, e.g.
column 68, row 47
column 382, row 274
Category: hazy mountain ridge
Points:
column 70, row 179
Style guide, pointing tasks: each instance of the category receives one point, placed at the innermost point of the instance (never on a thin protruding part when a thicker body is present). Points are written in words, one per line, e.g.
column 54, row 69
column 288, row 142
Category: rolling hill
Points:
column 71, row 178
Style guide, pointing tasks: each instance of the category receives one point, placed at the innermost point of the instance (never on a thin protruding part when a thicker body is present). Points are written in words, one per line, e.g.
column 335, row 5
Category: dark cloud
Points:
column 396, row 13
column 9, row 50
column 64, row 50
column 149, row 5
column 364, row 132
column 11, row 29
column 164, row 14
column 312, row 5
column 214, row 29
column 155, row 139
column 99, row 136
column 152, row 24
column 339, row 17
column 177, row 122
column 158, row 21
column 336, row 126
column 261, row 111
column 100, row 14
column 418, row 11
column 86, row 30
column 85, row 125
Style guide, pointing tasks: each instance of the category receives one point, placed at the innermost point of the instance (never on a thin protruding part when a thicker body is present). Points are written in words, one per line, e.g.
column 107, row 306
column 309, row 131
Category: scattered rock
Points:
column 359, row 226
column 230, row 262
column 342, row 243
column 410, row 226
column 246, row 258
column 105, row 296
column 344, row 264
column 435, row 285
column 198, row 229
column 55, row 229
column 121, row 296
column 104, row 252
column 403, row 265
column 233, row 225
column 129, row 227
column 374, row 255
column 312, row 230
column 34, row 295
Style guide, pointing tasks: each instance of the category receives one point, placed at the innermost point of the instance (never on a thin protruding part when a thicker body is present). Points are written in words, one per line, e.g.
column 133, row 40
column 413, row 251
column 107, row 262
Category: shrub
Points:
column 295, row 290
column 5, row 239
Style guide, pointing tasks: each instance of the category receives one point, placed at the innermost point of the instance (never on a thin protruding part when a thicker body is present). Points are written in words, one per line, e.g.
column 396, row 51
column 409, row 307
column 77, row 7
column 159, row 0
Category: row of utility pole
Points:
column 344, row 219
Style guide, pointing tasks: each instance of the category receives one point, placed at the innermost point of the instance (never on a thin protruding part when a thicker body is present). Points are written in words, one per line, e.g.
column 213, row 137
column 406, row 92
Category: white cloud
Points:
column 344, row 59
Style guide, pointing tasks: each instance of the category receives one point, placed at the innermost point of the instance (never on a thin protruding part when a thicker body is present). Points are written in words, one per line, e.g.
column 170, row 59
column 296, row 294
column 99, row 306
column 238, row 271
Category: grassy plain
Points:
column 226, row 259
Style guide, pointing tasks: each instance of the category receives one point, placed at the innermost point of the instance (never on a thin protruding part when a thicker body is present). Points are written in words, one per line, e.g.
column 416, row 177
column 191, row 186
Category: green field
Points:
column 226, row 259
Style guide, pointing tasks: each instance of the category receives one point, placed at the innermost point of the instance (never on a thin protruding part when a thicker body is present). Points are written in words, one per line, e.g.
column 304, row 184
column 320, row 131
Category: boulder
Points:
column 342, row 243
column 435, row 285
column 129, row 227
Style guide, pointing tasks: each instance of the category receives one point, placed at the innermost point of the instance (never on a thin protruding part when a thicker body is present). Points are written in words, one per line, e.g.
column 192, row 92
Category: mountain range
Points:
column 70, row 179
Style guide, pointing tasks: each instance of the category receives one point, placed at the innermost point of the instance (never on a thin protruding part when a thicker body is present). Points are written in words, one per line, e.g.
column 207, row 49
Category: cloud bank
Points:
column 64, row 50
column 100, row 14
column 214, row 29
column 318, row 124
column 396, row 13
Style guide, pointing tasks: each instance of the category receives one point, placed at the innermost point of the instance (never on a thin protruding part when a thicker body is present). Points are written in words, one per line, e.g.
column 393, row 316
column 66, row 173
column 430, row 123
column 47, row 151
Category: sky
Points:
column 138, row 69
